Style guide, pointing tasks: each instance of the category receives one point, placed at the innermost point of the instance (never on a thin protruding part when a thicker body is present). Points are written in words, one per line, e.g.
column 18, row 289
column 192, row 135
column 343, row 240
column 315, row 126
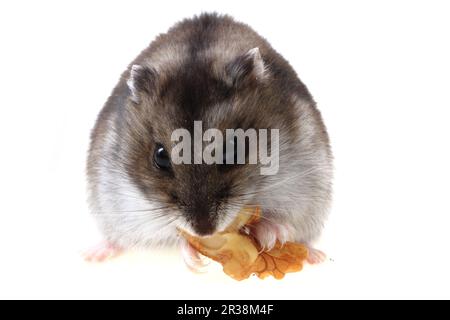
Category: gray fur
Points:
column 208, row 69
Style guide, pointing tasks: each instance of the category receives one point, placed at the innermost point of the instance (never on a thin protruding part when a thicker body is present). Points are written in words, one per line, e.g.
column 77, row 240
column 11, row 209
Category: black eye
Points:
column 161, row 158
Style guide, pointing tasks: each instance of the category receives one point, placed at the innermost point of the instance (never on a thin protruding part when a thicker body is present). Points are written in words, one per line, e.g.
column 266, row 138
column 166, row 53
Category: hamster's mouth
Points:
column 188, row 229
column 239, row 222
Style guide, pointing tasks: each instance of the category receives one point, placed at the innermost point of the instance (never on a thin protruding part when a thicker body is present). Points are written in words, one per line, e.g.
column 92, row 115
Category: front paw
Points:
column 191, row 257
column 268, row 233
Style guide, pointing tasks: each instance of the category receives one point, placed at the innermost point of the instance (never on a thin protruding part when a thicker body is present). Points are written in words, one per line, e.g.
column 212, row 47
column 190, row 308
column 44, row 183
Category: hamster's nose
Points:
column 203, row 226
column 202, row 220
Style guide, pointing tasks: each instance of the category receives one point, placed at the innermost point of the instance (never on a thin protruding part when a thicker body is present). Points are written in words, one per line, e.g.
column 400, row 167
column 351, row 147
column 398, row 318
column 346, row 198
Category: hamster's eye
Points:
column 161, row 158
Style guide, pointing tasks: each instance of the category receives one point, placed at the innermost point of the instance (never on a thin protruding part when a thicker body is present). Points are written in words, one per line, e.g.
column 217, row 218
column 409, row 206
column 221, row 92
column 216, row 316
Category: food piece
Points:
column 240, row 254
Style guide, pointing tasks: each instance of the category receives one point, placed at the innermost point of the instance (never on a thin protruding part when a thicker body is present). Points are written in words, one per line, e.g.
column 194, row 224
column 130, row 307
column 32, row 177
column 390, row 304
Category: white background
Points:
column 379, row 71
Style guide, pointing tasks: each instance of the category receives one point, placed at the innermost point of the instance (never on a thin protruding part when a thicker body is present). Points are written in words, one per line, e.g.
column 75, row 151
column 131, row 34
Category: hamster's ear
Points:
column 141, row 81
column 247, row 67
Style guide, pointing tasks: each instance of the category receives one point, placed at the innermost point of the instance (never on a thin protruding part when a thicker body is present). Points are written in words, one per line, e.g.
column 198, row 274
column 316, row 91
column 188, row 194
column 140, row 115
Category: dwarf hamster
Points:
column 212, row 69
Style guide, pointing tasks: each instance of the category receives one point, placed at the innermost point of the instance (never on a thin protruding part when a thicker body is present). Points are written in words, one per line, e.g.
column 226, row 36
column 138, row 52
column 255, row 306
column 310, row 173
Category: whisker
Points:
column 273, row 185
column 136, row 211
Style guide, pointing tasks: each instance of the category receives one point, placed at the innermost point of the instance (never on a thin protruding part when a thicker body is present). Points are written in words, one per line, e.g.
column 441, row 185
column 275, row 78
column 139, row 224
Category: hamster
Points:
column 212, row 69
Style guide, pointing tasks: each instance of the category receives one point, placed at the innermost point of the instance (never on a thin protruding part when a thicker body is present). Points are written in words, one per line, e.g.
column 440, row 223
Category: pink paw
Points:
column 192, row 258
column 315, row 256
column 101, row 252
column 268, row 233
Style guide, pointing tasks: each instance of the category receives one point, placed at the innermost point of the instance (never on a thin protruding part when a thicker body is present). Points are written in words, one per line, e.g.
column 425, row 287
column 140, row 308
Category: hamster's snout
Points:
column 204, row 227
column 202, row 217
column 201, row 193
